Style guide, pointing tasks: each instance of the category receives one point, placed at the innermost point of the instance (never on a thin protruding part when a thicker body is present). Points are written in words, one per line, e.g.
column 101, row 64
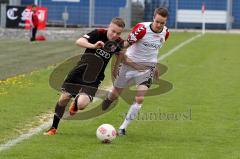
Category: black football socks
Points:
column 59, row 111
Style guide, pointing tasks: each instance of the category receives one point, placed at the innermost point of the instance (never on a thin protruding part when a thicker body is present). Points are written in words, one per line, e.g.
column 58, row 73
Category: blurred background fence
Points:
column 220, row 14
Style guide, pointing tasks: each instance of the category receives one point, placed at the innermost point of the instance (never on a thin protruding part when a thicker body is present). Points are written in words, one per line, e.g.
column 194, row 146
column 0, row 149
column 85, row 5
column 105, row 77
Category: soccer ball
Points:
column 106, row 133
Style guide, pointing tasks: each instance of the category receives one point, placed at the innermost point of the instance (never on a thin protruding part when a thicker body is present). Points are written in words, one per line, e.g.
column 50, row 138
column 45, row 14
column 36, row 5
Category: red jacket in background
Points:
column 35, row 20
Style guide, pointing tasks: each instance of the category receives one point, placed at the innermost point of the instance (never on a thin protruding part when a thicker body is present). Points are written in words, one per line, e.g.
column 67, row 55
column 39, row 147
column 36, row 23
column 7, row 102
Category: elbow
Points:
column 81, row 42
column 78, row 42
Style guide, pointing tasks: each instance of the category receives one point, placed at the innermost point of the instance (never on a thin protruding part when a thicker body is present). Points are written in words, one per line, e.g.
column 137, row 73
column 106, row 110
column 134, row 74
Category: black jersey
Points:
column 90, row 69
column 98, row 59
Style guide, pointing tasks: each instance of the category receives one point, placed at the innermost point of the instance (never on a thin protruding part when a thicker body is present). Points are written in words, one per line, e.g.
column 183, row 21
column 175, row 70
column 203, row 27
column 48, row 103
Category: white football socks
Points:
column 132, row 113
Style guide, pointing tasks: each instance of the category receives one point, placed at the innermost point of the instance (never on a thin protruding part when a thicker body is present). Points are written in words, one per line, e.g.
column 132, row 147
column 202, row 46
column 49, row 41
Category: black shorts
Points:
column 75, row 89
column 80, row 80
column 147, row 83
column 75, row 86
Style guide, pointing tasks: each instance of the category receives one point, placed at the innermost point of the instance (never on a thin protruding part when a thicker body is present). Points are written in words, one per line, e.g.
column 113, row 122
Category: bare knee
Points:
column 139, row 99
column 113, row 95
column 64, row 99
column 81, row 106
column 83, row 101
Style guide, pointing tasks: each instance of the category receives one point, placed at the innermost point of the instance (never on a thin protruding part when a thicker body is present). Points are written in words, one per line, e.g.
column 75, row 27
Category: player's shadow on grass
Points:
column 60, row 72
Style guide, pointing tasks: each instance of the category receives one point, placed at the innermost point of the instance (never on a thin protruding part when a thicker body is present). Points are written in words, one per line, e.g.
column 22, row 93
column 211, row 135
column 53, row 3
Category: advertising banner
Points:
column 20, row 17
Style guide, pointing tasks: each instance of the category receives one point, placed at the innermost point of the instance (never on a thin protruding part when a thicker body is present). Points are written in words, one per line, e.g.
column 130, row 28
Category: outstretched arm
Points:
column 83, row 42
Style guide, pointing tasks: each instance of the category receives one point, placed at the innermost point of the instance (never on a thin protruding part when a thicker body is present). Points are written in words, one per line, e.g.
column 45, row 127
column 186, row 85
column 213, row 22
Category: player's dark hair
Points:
column 161, row 11
column 118, row 21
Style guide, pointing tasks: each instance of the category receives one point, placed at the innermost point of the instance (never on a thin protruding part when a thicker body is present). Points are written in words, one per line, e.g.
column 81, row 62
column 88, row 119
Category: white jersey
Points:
column 145, row 43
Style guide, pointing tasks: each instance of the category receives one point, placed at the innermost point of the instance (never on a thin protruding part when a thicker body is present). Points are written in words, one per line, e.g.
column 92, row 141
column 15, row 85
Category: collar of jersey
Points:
column 155, row 31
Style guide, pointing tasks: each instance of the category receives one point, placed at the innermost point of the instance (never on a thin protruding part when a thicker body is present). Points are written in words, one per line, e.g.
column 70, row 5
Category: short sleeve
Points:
column 167, row 35
column 137, row 33
column 92, row 36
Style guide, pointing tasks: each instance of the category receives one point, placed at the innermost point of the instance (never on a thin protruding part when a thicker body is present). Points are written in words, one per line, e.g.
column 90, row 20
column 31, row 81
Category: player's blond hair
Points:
column 118, row 21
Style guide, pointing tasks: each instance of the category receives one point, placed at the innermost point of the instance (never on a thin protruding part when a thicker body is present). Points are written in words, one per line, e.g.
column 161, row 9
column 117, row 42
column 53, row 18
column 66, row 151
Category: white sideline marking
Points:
column 27, row 135
column 170, row 52
column 47, row 124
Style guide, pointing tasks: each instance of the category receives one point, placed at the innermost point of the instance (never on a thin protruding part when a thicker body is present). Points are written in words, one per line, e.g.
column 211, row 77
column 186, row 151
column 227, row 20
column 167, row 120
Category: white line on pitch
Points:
column 27, row 135
column 170, row 52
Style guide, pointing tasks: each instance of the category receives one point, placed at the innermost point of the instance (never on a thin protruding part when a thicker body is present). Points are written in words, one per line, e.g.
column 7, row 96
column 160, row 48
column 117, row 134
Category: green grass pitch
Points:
column 205, row 77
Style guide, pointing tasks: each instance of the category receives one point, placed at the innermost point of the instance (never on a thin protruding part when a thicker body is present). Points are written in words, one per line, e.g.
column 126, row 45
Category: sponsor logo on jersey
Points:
column 113, row 48
column 110, row 46
column 103, row 53
column 151, row 45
